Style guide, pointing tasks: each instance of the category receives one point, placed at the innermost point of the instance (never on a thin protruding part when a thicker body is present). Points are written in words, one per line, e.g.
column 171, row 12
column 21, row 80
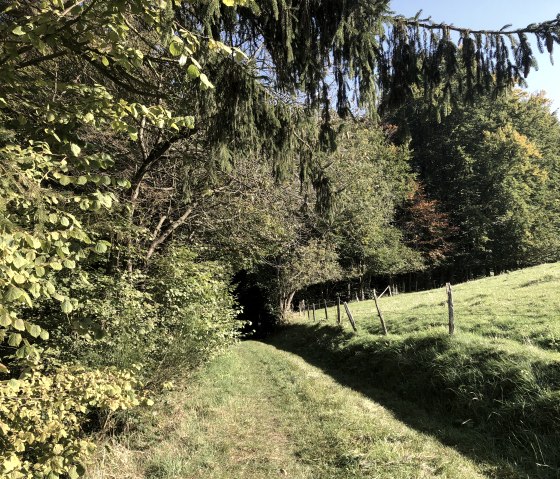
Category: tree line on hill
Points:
column 153, row 151
column 483, row 198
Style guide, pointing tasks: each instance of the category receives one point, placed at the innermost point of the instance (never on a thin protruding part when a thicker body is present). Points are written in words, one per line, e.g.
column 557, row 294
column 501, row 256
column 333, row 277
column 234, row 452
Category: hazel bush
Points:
column 42, row 416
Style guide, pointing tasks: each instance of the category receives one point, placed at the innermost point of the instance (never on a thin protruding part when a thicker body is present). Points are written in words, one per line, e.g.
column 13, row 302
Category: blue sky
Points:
column 494, row 14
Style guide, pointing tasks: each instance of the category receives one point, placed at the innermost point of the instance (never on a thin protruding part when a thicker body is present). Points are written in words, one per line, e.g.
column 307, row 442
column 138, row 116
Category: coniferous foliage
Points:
column 371, row 54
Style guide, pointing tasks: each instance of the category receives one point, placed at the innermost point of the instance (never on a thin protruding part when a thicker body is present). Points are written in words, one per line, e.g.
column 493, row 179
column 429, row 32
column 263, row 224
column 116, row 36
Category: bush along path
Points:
column 259, row 412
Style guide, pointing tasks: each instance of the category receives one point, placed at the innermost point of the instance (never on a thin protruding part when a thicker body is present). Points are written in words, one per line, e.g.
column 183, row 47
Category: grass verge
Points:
column 506, row 392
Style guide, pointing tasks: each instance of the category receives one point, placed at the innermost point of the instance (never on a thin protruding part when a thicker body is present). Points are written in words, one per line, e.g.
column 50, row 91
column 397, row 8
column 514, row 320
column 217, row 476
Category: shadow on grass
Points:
column 409, row 378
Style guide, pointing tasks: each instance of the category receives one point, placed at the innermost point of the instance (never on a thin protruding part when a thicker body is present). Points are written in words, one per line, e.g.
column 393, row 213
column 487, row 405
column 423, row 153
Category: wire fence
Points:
column 318, row 310
column 313, row 310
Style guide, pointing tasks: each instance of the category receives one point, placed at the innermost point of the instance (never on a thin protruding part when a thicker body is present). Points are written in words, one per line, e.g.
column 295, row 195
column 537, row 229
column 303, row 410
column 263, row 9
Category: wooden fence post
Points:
column 350, row 317
column 314, row 312
column 383, row 327
column 326, row 313
column 450, row 308
column 384, row 291
column 308, row 314
column 338, row 310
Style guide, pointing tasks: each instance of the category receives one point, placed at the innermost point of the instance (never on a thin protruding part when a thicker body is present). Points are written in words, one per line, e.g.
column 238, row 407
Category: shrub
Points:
column 197, row 310
column 166, row 320
column 41, row 416
column 160, row 323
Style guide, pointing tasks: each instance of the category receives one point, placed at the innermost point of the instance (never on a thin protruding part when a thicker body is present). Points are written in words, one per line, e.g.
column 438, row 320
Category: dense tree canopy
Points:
column 493, row 167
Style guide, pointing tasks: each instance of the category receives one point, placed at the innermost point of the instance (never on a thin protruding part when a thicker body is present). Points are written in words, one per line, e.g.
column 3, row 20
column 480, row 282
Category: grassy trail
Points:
column 260, row 412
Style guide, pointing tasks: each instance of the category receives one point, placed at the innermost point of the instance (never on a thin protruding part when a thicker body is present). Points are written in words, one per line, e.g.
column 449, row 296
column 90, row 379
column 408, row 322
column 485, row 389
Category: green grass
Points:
column 499, row 374
column 320, row 401
column 259, row 412
column 523, row 306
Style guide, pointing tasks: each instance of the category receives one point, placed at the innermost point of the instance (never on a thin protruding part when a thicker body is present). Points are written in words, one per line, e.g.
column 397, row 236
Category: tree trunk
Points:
column 286, row 305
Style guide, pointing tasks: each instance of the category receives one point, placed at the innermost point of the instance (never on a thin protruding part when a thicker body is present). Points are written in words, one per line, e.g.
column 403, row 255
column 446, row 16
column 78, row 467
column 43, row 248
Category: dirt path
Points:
column 258, row 412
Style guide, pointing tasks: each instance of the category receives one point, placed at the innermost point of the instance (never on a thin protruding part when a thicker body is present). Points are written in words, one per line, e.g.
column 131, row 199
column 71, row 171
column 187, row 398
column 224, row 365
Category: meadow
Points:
column 523, row 306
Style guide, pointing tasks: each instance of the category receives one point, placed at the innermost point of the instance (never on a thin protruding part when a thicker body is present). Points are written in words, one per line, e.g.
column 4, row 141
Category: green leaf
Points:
column 4, row 369
column 14, row 340
column 49, row 287
column 19, row 261
column 21, row 352
column 27, row 299
column 193, row 71
column 18, row 31
column 176, row 46
column 75, row 149
column 70, row 264
column 19, row 324
column 67, row 306
column 100, row 247
column 188, row 121
column 19, row 278
column 239, row 54
column 205, row 83
column 32, row 242
column 73, row 473
column 59, row 297
column 5, row 319
column 13, row 293
column 65, row 180
column 64, row 221
column 34, row 330
column 55, row 265
column 44, row 335
column 35, row 290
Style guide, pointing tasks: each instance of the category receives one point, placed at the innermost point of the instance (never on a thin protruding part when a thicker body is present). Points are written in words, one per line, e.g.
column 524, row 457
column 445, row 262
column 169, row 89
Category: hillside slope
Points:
column 522, row 305
column 498, row 375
